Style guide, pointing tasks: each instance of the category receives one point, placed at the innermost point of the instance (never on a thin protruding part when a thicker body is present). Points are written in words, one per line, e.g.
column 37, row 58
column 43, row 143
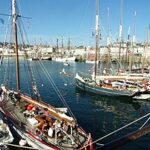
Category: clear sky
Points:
column 75, row 19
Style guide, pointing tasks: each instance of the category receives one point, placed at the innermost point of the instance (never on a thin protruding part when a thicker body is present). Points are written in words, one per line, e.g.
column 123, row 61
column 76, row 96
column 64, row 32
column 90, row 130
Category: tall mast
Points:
column 14, row 17
column 120, row 28
column 108, row 38
column 108, row 32
column 69, row 44
column 57, row 47
column 133, row 42
column 134, row 30
column 128, row 43
column 120, row 25
column 62, row 42
column 96, row 37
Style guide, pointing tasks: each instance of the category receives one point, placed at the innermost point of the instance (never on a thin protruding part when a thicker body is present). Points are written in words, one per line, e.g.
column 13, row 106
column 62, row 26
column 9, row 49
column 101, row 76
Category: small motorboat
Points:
column 142, row 97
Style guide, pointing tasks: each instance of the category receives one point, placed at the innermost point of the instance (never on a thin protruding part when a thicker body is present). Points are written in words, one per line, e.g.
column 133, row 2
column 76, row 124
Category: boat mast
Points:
column 120, row 31
column 108, row 32
column 108, row 38
column 127, row 48
column 69, row 44
column 14, row 17
column 134, row 39
column 96, row 37
column 62, row 42
column 133, row 44
column 57, row 46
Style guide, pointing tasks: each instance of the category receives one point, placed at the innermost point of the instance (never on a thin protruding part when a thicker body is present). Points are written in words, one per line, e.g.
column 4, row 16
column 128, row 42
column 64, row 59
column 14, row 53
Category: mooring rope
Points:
column 144, row 123
column 121, row 128
column 118, row 130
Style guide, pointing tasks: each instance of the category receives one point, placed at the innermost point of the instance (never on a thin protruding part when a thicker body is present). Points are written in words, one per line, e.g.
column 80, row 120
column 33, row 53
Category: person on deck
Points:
column 1, row 95
column 51, row 131
column 65, row 127
column 45, row 127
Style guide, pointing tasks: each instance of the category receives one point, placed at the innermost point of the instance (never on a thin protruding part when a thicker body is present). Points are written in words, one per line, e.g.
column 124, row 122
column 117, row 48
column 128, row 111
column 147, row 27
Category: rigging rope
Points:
column 33, row 82
column 27, row 65
column 4, row 78
column 37, row 70
column 5, row 69
column 10, row 74
column 28, row 78
column 6, row 73
column 35, row 90
column 23, row 32
column 56, row 88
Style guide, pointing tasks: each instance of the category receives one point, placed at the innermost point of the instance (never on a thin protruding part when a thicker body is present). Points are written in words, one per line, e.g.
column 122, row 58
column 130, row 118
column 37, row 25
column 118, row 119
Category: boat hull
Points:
column 102, row 91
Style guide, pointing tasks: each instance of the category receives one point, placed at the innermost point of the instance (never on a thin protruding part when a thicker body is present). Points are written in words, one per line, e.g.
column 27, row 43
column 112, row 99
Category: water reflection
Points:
column 110, row 113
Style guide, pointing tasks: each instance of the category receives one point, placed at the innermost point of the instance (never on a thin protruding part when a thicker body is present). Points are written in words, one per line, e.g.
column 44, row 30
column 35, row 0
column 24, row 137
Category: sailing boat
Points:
column 107, row 84
column 40, row 124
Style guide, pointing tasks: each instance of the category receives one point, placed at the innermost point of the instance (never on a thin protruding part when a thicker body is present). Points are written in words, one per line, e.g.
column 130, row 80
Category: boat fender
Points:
column 65, row 84
column 11, row 94
column 22, row 142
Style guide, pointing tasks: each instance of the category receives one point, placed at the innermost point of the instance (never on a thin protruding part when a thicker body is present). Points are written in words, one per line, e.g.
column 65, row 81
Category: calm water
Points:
column 98, row 115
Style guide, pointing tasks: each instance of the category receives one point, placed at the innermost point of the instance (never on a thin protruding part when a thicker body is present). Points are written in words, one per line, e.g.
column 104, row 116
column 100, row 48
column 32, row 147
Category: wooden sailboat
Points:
column 107, row 84
column 40, row 124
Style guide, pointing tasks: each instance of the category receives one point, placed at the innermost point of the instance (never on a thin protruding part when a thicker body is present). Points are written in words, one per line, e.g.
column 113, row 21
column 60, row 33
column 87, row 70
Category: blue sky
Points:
column 75, row 19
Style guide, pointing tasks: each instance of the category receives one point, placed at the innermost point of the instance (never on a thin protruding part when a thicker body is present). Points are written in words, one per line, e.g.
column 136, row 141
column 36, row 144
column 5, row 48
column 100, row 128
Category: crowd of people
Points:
column 46, row 125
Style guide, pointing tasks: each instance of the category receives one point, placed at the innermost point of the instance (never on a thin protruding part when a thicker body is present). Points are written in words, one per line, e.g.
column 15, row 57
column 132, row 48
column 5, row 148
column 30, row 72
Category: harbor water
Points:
column 98, row 115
